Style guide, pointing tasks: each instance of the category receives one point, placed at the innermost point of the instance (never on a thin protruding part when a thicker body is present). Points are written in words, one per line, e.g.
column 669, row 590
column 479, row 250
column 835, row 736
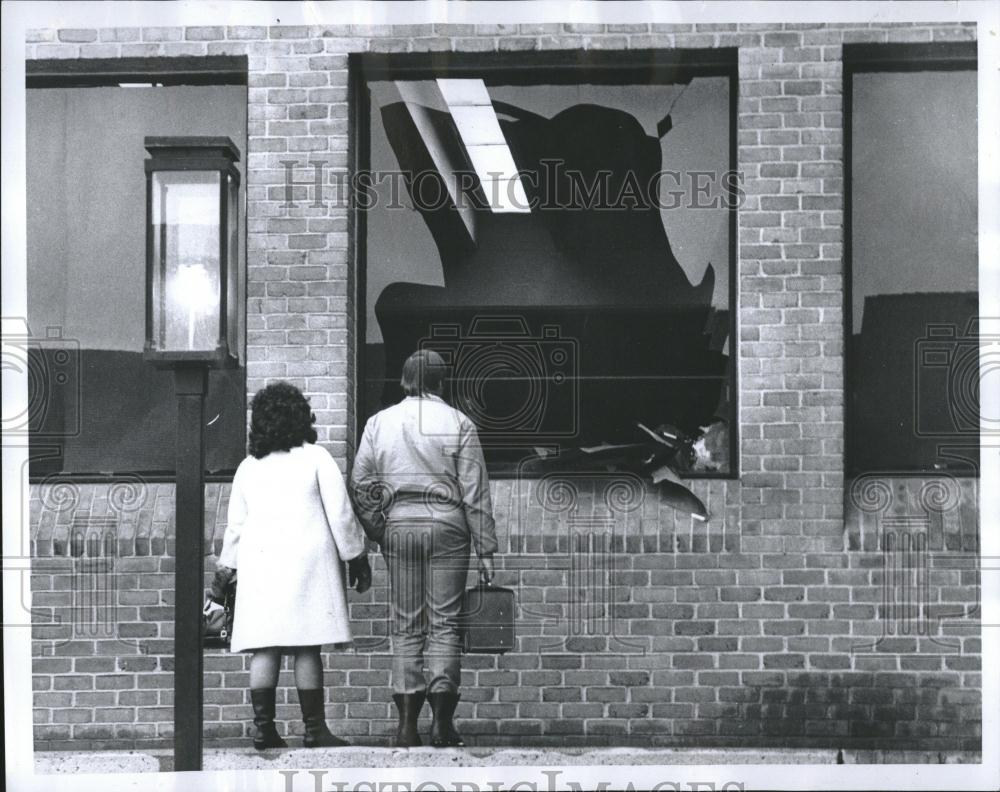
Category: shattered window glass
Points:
column 566, row 248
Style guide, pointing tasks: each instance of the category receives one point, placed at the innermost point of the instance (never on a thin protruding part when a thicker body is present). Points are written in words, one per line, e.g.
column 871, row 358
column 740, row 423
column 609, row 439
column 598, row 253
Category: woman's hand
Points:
column 359, row 573
column 223, row 576
column 486, row 569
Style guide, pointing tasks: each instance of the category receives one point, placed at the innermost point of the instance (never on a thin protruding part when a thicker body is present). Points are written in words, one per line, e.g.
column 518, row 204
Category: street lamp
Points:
column 192, row 185
column 192, row 266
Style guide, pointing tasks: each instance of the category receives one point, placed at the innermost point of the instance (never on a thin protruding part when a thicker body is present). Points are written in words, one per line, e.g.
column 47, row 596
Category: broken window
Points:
column 564, row 238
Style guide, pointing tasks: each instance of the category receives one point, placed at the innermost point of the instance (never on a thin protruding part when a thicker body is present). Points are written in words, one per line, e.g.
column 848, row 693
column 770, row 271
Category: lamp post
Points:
column 192, row 186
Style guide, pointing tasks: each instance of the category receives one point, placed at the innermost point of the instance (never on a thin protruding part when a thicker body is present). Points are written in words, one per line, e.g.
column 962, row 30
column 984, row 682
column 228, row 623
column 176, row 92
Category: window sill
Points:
column 112, row 478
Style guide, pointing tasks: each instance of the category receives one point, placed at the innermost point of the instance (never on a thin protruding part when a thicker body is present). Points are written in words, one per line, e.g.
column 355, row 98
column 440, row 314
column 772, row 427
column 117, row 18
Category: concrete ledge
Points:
column 912, row 757
column 75, row 762
column 479, row 756
column 305, row 758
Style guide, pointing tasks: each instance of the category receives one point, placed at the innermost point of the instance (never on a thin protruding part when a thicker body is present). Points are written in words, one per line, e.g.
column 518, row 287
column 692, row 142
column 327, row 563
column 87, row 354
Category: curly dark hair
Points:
column 280, row 420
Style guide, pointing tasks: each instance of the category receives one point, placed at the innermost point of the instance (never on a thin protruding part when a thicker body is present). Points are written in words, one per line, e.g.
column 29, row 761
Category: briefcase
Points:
column 486, row 620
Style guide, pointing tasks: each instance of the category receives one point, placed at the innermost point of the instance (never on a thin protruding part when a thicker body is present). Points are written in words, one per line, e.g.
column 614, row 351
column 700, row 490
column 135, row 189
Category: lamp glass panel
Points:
column 186, row 260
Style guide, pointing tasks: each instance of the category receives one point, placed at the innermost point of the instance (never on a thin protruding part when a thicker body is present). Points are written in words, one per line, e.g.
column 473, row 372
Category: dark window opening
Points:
column 564, row 236
column 96, row 408
column 912, row 315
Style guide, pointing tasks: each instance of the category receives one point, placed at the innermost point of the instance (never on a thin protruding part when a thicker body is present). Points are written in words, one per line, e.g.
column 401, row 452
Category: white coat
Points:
column 290, row 527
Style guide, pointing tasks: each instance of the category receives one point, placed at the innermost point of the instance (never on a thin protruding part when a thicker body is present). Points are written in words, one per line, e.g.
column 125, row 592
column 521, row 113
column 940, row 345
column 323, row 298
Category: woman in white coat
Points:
column 290, row 528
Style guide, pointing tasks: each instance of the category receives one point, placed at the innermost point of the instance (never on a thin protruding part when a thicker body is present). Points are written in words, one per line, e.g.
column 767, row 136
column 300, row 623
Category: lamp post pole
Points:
column 189, row 509
column 192, row 287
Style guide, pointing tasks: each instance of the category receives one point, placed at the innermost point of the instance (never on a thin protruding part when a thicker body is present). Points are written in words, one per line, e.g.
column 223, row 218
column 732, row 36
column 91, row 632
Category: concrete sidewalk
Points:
column 303, row 758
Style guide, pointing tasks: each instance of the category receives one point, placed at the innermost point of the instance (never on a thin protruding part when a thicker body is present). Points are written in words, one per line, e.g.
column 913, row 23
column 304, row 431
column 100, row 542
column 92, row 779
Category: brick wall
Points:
column 770, row 624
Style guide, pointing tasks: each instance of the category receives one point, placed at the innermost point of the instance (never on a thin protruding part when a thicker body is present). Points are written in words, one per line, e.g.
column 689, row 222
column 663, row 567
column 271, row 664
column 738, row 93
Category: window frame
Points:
column 564, row 67
column 867, row 58
column 109, row 72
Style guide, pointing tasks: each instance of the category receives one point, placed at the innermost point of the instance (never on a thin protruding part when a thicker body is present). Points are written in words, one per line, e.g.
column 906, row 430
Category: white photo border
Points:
column 17, row 17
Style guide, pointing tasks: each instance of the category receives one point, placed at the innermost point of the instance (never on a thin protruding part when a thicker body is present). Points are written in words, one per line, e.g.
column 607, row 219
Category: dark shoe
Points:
column 443, row 732
column 266, row 735
column 409, row 705
column 314, row 716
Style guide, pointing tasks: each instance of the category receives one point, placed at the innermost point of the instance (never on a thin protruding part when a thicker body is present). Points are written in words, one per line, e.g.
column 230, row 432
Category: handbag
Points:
column 486, row 619
column 217, row 619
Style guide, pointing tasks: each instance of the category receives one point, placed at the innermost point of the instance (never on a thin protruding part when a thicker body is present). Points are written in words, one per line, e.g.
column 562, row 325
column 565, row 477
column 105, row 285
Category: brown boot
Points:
column 318, row 734
column 263, row 701
column 408, row 705
column 443, row 732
